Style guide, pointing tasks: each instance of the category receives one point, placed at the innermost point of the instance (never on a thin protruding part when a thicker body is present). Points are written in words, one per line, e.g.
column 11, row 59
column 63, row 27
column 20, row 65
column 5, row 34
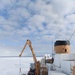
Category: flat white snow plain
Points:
column 12, row 65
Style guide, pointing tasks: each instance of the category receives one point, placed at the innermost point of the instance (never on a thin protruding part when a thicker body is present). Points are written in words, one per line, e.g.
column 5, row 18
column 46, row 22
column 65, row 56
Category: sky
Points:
column 41, row 21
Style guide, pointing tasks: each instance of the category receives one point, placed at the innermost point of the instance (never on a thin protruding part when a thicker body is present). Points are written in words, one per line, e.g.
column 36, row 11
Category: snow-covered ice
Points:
column 56, row 73
column 11, row 66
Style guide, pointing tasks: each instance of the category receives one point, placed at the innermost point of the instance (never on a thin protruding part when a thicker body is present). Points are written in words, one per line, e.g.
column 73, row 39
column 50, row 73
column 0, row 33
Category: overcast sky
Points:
column 41, row 21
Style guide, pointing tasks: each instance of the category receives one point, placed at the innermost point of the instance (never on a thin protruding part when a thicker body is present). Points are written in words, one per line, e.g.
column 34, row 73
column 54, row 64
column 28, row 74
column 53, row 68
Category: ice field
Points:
column 11, row 65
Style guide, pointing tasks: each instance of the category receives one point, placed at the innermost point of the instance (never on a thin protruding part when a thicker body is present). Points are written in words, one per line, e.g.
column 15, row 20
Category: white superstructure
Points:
column 64, row 61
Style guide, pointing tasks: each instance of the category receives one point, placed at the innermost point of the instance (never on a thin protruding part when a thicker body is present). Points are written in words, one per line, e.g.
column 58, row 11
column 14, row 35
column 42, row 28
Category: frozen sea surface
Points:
column 11, row 66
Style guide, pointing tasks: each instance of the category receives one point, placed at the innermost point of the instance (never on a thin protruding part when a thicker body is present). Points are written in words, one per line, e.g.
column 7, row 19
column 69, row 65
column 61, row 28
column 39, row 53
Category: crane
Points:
column 36, row 63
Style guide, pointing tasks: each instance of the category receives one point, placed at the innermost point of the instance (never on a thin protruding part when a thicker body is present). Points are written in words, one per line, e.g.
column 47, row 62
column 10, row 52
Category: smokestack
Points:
column 62, row 46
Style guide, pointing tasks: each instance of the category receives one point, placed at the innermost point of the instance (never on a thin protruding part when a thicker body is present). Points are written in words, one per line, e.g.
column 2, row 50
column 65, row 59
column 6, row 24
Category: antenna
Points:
column 72, row 35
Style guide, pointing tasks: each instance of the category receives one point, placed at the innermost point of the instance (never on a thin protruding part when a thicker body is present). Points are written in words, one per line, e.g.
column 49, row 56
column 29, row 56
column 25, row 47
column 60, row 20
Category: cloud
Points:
column 5, row 4
column 63, row 7
column 8, row 50
column 36, row 21
column 42, row 21
column 70, row 18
